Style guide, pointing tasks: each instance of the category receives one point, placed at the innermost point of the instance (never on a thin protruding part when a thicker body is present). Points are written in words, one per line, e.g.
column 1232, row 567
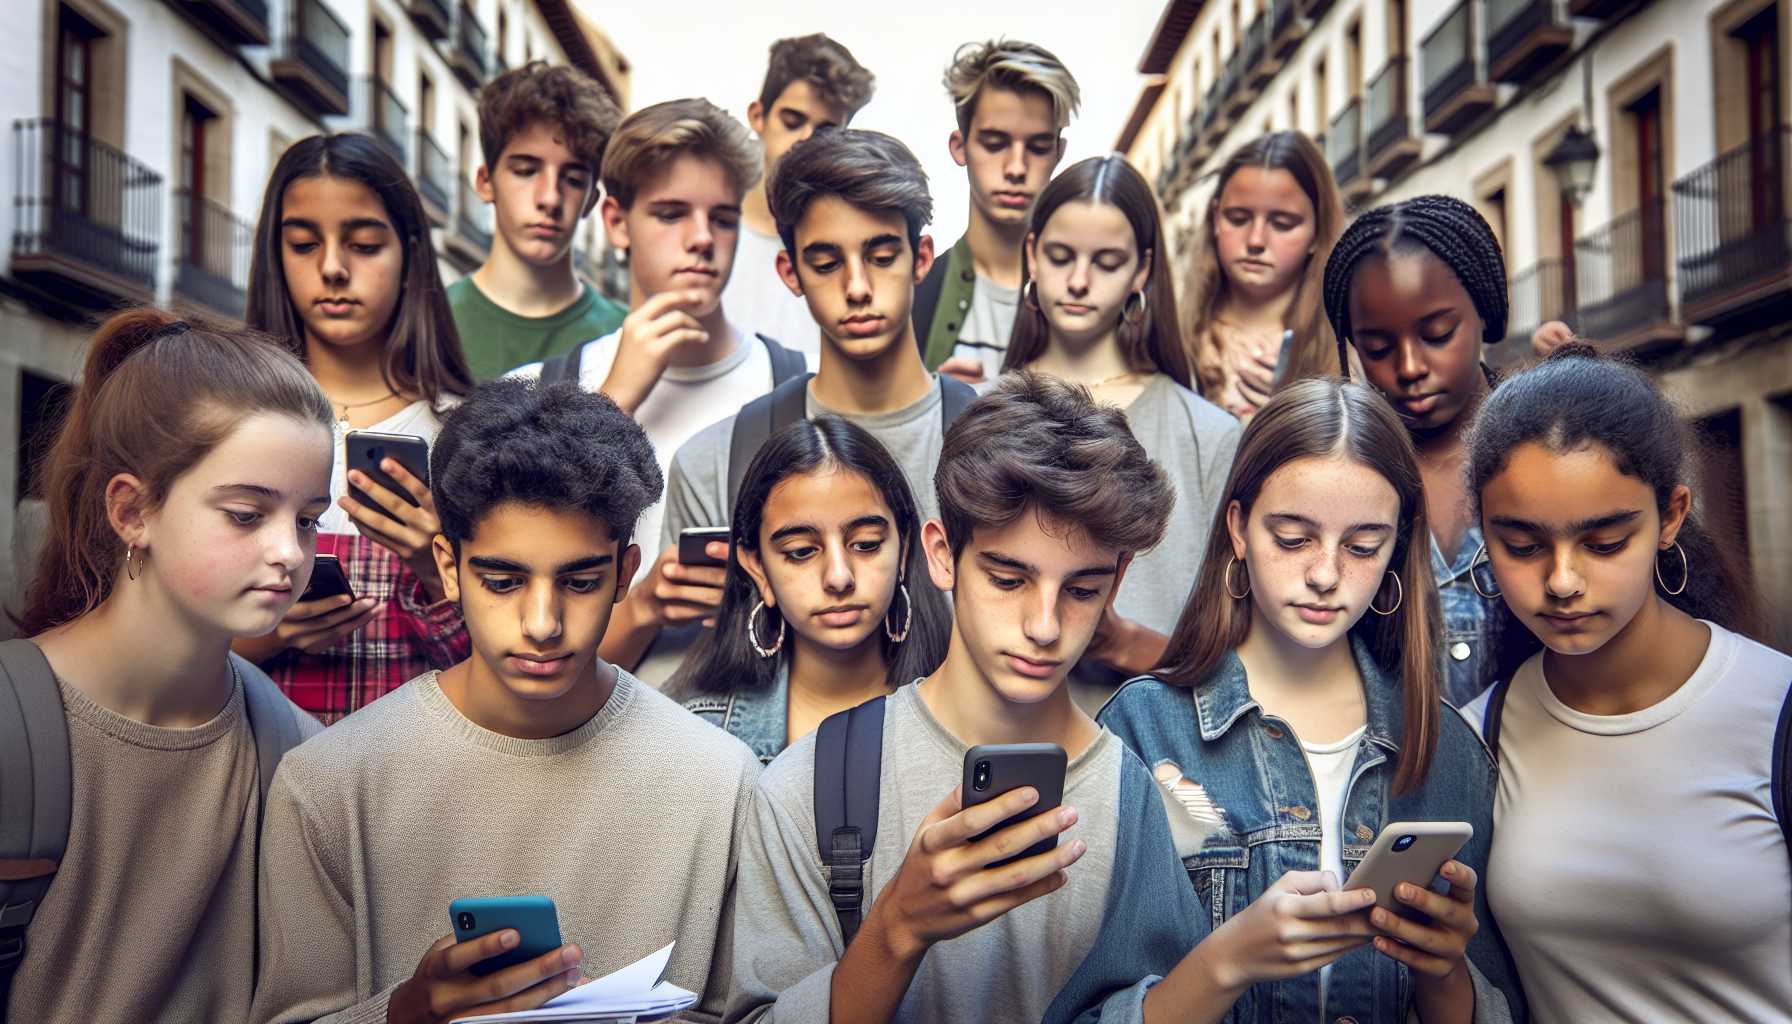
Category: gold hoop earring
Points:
column 1228, row 580
column 1399, row 598
column 138, row 571
column 1685, row 572
column 1475, row 581
column 1126, row 307
column 1027, row 297
column 753, row 632
column 908, row 616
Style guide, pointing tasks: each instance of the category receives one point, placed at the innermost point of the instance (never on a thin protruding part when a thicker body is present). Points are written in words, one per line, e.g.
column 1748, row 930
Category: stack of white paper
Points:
column 635, row 993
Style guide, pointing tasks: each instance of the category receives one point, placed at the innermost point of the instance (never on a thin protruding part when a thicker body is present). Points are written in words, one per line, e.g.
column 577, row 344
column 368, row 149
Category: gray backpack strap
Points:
column 1490, row 722
column 36, row 790
column 786, row 362
column 849, row 759
column 1780, row 782
column 270, row 720
column 758, row 420
column 562, row 367
column 955, row 394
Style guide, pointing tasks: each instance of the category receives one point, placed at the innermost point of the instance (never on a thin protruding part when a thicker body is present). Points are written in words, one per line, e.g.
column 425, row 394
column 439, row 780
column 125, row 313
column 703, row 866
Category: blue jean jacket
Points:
column 1253, row 769
column 758, row 718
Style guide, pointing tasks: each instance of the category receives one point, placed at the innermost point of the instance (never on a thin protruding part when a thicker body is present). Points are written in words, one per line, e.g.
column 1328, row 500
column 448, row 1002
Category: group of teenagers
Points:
column 1274, row 576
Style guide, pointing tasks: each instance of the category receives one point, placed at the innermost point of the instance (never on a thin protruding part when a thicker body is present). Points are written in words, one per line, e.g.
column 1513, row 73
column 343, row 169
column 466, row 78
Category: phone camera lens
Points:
column 1404, row 842
column 376, row 453
column 980, row 776
column 466, row 921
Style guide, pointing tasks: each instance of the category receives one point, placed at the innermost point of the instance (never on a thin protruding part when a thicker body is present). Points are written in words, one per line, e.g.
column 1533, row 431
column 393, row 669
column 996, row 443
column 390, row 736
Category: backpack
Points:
column 36, row 783
column 786, row 363
column 849, row 761
column 786, row 404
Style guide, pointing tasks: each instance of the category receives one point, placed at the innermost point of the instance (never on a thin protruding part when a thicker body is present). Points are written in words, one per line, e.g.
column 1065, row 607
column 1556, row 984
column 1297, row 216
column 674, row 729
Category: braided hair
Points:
column 1450, row 229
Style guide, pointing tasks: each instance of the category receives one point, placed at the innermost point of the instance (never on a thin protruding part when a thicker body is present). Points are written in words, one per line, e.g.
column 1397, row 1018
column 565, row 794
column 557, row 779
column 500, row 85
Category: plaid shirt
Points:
column 407, row 638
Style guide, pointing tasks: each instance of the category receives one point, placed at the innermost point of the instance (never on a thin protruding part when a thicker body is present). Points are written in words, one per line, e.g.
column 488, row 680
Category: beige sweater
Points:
column 628, row 823
column 152, row 914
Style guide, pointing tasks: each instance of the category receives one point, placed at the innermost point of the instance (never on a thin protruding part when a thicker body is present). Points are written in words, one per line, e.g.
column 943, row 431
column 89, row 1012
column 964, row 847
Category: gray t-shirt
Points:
column 788, row 939
column 987, row 324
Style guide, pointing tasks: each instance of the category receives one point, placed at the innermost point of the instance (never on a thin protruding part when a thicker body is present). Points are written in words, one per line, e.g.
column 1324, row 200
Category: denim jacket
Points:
column 758, row 718
column 1252, row 768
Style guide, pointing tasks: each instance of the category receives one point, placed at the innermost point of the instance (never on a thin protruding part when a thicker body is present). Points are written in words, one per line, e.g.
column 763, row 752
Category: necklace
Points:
column 1110, row 380
column 342, row 408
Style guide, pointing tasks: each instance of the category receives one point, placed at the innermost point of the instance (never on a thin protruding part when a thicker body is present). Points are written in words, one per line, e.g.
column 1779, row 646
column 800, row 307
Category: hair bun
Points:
column 122, row 336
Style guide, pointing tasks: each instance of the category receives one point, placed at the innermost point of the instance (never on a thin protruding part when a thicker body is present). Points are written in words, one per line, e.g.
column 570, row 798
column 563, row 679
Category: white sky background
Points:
column 718, row 48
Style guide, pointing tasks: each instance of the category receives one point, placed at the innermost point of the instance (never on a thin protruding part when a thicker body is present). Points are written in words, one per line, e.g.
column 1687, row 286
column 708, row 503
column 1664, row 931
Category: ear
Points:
column 1674, row 516
column 482, row 184
column 447, row 567
column 591, row 201
column 126, row 509
column 1120, row 568
column 787, row 273
column 1032, row 246
column 923, row 258
column 1235, row 525
column 615, row 223
column 1144, row 273
column 955, row 146
column 755, row 569
column 1063, row 144
column 940, row 566
column 756, row 118
column 626, row 569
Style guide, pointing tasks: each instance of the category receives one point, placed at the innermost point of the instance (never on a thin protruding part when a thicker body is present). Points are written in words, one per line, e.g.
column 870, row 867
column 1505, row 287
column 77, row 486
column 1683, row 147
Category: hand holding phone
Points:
column 692, row 540
column 390, row 501
column 1410, row 852
column 1433, row 943
column 445, row 987
column 994, row 769
column 367, row 449
column 327, row 580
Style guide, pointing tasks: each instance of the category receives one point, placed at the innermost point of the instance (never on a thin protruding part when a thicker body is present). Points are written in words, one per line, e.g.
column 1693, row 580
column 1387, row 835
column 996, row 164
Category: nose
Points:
column 1015, row 167
column 1409, row 365
column 702, row 237
column 1042, row 626
column 1324, row 571
column 1079, row 278
column 858, row 282
column 837, row 575
column 547, row 193
column 1257, row 235
column 287, row 549
column 541, row 612
column 1564, row 580
column 334, row 268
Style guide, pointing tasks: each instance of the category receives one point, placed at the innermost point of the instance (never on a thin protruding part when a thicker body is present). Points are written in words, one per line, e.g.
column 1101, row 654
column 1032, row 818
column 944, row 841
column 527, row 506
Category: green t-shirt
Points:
column 498, row 341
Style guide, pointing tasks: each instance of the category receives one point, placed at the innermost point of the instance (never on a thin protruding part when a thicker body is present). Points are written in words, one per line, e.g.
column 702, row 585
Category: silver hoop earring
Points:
column 1685, row 572
column 753, row 632
column 1399, row 599
column 908, row 616
column 1228, row 581
column 1026, row 296
column 1126, row 307
column 138, row 571
column 1475, row 581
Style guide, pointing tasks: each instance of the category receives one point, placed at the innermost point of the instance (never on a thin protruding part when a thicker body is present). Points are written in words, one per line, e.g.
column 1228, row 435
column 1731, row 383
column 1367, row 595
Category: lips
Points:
column 546, row 229
column 537, row 665
column 704, row 271
column 1016, row 199
column 1421, row 404
column 1318, row 615
column 1030, row 668
column 1075, row 308
column 862, row 326
column 1566, row 621
column 334, row 306
column 848, row 615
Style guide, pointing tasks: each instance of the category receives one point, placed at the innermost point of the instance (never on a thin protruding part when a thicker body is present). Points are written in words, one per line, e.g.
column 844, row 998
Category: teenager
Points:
column 811, row 82
column 1256, row 315
column 1100, row 311
column 1647, row 699
column 1417, row 287
column 827, row 602
column 531, row 767
column 542, row 133
column 184, row 491
column 851, row 207
column 1012, row 101
column 344, row 277
column 1301, row 689
column 673, row 178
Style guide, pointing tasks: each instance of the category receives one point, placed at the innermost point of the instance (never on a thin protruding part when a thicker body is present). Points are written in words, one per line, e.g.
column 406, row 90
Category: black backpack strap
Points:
column 955, row 394
column 562, row 367
column 786, row 362
column 1780, row 783
column 1490, row 722
column 760, row 419
column 271, row 720
column 927, row 300
column 849, row 755
column 36, row 790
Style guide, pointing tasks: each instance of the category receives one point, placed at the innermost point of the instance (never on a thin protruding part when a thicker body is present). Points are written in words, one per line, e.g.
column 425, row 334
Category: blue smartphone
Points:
column 533, row 917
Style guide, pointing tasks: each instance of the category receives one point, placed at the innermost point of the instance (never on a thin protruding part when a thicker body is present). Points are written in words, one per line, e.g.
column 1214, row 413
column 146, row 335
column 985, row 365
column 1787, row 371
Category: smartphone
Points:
column 995, row 768
column 327, row 580
column 533, row 917
column 1408, row 851
column 367, row 449
column 693, row 539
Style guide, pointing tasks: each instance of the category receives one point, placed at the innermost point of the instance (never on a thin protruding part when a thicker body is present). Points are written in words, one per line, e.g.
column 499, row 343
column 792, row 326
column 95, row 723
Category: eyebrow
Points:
column 1587, row 525
column 349, row 225
column 878, row 241
column 1296, row 519
column 1033, row 570
column 798, row 528
column 819, row 250
column 506, row 565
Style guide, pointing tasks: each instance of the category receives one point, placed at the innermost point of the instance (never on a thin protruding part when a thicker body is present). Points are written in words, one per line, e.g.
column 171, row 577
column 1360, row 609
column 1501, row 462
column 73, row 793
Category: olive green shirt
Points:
column 497, row 341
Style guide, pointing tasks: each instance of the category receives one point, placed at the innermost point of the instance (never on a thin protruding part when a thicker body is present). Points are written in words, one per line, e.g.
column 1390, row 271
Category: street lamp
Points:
column 1575, row 160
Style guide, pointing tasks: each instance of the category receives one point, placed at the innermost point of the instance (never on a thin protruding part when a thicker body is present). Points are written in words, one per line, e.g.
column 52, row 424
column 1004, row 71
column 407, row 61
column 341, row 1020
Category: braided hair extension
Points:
column 1450, row 229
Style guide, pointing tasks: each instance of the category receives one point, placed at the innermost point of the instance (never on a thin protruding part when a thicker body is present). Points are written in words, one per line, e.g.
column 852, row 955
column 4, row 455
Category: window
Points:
column 1494, row 207
column 426, row 102
column 503, row 36
column 74, row 109
column 195, row 123
column 43, row 402
column 1353, row 60
column 1294, row 107
column 382, row 52
column 1645, row 116
column 1761, row 37
column 1321, row 98
column 1396, row 28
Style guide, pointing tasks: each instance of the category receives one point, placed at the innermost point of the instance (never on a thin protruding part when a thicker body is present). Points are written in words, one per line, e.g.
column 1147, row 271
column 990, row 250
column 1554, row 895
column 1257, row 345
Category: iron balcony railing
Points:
column 475, row 218
column 469, row 40
column 1621, row 273
column 1282, row 15
column 1389, row 116
column 1344, row 142
column 387, row 117
column 1256, row 38
column 436, row 11
column 1447, row 59
column 81, row 199
column 1733, row 221
column 317, row 38
column 1540, row 293
column 435, row 172
column 214, row 247
column 1510, row 21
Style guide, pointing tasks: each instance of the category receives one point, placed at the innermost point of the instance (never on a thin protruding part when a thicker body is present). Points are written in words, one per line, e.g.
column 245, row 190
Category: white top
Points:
column 1330, row 764
column 1638, row 872
column 755, row 294
column 685, row 400
column 987, row 325
column 415, row 420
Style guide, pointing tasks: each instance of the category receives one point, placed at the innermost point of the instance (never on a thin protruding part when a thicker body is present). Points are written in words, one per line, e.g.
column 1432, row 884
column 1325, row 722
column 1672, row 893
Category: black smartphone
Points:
column 327, row 580
column 996, row 768
column 367, row 449
column 692, row 540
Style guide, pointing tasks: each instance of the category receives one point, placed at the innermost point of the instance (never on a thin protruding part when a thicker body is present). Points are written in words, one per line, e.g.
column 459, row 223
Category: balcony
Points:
column 310, row 62
column 1288, row 26
column 475, row 223
column 1456, row 90
column 1596, row 8
column 435, row 178
column 1215, row 116
column 433, row 18
column 1523, row 37
column 1734, row 233
column 1344, row 149
column 236, row 22
column 1392, row 145
column 212, row 261
column 1315, row 9
column 1540, row 293
column 384, row 116
column 468, row 59
column 89, row 218
column 1242, row 90
column 1259, row 66
column 1621, row 278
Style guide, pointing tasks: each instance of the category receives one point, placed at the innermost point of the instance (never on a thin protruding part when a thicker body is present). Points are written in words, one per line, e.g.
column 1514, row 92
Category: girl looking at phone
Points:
column 1637, row 749
column 826, row 603
column 184, row 489
column 345, row 276
column 1099, row 310
column 1299, row 700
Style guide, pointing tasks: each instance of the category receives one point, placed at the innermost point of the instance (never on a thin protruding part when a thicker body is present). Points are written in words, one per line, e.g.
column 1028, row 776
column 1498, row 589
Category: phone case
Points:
column 1383, row 868
column 327, row 580
column 1011, row 766
column 533, row 917
column 366, row 449
column 693, row 539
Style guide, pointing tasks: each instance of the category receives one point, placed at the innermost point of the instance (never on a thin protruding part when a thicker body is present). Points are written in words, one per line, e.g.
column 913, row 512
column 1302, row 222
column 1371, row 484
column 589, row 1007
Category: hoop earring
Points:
column 908, row 616
column 1027, row 297
column 1685, row 572
column 1126, row 307
column 1399, row 589
column 753, row 632
column 1475, row 581
column 138, row 571
column 1228, row 581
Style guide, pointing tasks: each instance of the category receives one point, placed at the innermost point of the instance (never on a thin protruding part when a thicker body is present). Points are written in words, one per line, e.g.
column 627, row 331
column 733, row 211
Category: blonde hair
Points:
column 653, row 137
column 1015, row 66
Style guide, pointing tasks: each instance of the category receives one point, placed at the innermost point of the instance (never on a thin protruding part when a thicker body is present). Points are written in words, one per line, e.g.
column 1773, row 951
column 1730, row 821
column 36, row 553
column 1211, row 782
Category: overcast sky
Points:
column 718, row 49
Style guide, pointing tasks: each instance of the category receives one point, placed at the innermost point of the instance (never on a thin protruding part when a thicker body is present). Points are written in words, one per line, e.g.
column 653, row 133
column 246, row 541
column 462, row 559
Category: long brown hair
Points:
column 1320, row 418
column 423, row 356
column 1313, row 352
column 1154, row 342
column 156, row 396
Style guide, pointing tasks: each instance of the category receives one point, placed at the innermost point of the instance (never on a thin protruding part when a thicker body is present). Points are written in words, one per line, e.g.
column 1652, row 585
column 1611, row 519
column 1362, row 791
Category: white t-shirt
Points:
column 987, row 325
column 756, row 295
column 414, row 420
column 1638, row 872
column 1330, row 764
column 684, row 400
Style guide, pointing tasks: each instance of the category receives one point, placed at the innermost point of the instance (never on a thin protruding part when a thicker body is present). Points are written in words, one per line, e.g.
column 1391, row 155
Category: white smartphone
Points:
column 1408, row 851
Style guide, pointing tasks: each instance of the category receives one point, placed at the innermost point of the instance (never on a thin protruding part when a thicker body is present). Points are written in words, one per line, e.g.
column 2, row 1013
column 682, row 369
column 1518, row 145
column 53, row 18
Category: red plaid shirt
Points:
column 407, row 638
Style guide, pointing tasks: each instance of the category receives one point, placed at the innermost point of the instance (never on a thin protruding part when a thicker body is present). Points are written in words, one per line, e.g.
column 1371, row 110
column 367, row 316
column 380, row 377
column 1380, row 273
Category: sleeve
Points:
column 721, row 966
column 442, row 630
column 696, row 483
column 527, row 371
column 1219, row 457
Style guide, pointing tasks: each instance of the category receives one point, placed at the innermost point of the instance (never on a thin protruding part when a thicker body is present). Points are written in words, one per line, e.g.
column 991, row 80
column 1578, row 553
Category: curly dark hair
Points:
column 558, row 447
column 560, row 95
column 868, row 170
column 824, row 63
